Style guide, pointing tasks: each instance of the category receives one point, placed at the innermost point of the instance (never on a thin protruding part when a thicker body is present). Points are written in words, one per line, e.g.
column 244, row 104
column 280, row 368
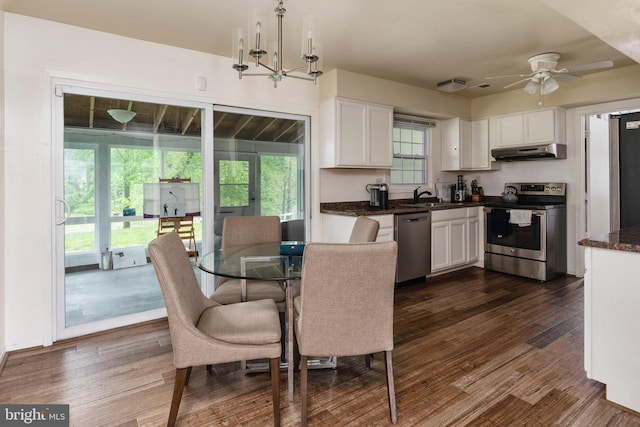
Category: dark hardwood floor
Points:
column 472, row 347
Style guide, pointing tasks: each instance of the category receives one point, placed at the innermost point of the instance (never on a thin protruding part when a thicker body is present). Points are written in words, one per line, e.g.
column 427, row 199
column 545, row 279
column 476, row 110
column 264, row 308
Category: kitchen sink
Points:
column 430, row 204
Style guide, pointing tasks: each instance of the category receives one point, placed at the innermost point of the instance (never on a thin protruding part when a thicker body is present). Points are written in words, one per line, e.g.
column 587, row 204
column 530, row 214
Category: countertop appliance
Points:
column 413, row 234
column 378, row 195
column 529, row 237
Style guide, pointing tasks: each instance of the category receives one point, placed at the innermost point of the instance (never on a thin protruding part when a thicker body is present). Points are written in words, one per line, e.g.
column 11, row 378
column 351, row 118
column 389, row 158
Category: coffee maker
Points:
column 378, row 195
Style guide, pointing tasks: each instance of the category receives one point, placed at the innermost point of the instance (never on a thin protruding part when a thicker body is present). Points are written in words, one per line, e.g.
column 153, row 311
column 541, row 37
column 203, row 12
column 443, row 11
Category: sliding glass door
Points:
column 104, row 279
column 261, row 160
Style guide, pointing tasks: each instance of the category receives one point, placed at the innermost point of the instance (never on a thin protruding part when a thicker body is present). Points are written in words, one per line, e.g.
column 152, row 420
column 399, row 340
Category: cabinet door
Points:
column 385, row 232
column 440, row 245
column 473, row 240
column 336, row 228
column 380, row 130
column 466, row 145
column 458, row 242
column 450, row 147
column 507, row 131
column 539, row 127
column 480, row 157
column 352, row 133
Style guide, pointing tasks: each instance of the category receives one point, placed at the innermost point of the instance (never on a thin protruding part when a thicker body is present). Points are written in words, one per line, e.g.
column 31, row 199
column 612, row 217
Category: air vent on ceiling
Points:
column 481, row 86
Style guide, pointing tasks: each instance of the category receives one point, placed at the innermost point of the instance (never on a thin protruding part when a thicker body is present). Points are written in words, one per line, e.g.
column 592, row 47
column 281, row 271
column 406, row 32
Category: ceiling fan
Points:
column 545, row 76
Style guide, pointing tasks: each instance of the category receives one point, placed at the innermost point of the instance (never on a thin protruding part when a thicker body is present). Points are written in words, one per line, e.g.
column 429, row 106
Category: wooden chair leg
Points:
column 182, row 375
column 186, row 380
column 303, row 391
column 391, row 387
column 275, row 386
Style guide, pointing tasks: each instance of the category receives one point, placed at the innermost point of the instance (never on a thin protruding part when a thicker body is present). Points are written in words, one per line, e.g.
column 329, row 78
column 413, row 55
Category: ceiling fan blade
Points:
column 509, row 76
column 518, row 82
column 586, row 67
column 566, row 78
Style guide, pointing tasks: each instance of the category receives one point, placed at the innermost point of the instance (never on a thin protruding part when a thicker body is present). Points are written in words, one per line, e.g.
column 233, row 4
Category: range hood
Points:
column 535, row 152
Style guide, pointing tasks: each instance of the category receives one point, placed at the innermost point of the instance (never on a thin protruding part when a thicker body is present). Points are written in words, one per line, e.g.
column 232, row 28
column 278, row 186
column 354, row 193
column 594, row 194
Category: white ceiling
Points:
column 417, row 42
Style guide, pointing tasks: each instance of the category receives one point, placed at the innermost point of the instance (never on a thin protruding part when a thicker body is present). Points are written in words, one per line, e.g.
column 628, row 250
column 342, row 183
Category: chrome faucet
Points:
column 416, row 195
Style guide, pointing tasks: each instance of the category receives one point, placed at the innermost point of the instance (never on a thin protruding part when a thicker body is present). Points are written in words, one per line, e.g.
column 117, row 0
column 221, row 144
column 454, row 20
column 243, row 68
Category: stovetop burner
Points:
column 535, row 195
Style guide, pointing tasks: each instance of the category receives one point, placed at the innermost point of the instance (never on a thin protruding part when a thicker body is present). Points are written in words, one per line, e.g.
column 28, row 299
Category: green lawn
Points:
column 81, row 237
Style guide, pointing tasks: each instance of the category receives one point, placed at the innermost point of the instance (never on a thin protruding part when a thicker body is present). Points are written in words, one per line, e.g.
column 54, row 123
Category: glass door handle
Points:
column 67, row 211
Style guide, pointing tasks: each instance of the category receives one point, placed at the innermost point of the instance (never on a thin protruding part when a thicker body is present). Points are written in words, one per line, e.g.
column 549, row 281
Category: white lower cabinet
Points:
column 454, row 238
column 473, row 234
column 337, row 228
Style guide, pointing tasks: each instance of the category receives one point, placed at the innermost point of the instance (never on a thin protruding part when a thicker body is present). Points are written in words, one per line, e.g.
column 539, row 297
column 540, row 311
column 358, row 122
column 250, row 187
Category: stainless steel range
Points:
column 528, row 237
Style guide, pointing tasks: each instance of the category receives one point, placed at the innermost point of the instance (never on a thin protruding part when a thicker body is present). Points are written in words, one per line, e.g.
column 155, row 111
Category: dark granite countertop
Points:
column 395, row 207
column 627, row 240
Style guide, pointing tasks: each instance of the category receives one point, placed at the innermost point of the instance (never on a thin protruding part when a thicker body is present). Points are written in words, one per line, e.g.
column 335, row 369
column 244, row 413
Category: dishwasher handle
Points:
column 408, row 220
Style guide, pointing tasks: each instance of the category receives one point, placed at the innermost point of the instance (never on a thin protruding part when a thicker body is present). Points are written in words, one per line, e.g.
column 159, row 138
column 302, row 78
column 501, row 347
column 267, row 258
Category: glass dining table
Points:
column 277, row 261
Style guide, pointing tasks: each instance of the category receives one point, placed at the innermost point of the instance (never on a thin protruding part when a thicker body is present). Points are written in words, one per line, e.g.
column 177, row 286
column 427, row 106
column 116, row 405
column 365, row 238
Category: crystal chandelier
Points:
column 254, row 46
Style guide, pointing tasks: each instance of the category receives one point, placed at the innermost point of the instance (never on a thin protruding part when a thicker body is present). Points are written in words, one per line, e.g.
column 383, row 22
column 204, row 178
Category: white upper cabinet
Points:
column 533, row 127
column 356, row 134
column 465, row 145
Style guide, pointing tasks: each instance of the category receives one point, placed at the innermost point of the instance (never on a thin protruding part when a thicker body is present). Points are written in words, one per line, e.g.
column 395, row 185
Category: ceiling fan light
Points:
column 549, row 85
column 531, row 87
column 122, row 116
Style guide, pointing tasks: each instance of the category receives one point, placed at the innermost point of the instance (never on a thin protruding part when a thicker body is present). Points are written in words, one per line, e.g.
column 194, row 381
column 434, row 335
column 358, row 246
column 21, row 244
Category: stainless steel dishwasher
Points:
column 413, row 234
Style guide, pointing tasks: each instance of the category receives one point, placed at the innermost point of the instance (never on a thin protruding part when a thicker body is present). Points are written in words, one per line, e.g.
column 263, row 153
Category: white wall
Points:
column 38, row 53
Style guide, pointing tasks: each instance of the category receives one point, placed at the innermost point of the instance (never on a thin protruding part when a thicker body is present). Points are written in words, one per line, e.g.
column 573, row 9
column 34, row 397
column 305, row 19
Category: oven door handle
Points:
column 533, row 212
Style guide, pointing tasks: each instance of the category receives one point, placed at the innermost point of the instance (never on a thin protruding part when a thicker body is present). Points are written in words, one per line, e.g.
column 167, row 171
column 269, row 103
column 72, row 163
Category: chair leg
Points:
column 296, row 355
column 182, row 375
column 275, row 386
column 283, row 339
column 303, row 391
column 188, row 377
column 367, row 361
column 391, row 387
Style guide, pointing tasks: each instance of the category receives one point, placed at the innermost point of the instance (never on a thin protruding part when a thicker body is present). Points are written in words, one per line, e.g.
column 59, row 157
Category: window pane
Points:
column 405, row 135
column 182, row 164
column 418, row 136
column 79, row 181
column 410, row 148
column 278, row 186
column 79, row 192
column 133, row 233
column 130, row 168
column 234, row 183
column 79, row 238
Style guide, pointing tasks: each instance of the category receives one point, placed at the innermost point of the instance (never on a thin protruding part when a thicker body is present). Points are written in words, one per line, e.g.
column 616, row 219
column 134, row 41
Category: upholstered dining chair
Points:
column 204, row 332
column 346, row 306
column 243, row 230
column 364, row 230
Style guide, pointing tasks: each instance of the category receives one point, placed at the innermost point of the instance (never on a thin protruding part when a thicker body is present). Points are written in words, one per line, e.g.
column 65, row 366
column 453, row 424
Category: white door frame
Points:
column 576, row 132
